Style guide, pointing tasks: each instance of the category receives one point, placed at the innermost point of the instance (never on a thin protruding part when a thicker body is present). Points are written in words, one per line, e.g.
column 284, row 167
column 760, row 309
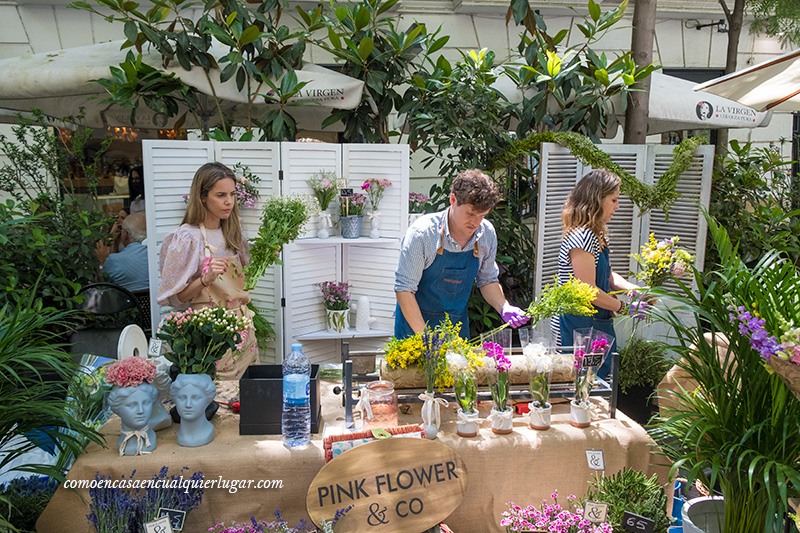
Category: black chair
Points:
column 104, row 301
column 144, row 301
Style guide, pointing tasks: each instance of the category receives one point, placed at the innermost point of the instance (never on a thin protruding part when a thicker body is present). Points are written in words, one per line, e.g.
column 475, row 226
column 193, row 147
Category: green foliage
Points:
column 44, row 224
column 371, row 48
column 264, row 330
column 779, row 18
column 741, row 424
column 752, row 198
column 570, row 88
column 630, row 490
column 642, row 363
column 27, row 497
column 282, row 221
column 33, row 363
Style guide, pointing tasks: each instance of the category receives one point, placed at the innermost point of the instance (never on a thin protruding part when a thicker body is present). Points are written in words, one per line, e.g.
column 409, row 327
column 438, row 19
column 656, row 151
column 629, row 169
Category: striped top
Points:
column 584, row 239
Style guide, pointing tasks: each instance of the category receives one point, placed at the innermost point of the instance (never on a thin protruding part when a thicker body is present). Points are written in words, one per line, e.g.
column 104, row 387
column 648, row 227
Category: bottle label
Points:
column 296, row 389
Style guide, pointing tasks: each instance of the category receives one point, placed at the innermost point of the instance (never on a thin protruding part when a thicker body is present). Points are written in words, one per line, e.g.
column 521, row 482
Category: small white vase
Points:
column 540, row 416
column 375, row 225
column 430, row 414
column 467, row 425
column 579, row 414
column 336, row 321
column 502, row 421
column 324, row 222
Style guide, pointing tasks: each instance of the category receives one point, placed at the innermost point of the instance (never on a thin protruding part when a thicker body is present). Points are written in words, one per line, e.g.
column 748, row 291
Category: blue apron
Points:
column 601, row 320
column 445, row 287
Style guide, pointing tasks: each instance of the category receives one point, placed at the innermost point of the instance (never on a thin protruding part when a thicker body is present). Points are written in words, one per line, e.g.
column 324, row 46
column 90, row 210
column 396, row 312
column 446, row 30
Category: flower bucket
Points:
column 540, row 416
column 350, row 226
column 704, row 515
column 336, row 321
column 467, row 425
column 502, row 421
column 579, row 414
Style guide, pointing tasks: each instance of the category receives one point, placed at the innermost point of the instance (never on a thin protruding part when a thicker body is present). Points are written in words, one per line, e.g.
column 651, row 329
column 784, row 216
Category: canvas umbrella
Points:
column 59, row 83
column 772, row 85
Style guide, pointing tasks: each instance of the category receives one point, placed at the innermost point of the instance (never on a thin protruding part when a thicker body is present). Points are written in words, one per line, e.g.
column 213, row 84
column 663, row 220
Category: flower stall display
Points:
column 336, row 299
column 432, row 346
column 466, row 394
column 540, row 372
column 497, row 366
column 550, row 517
column 591, row 349
column 131, row 398
column 374, row 187
column 282, row 221
column 662, row 260
column 351, row 211
column 326, row 186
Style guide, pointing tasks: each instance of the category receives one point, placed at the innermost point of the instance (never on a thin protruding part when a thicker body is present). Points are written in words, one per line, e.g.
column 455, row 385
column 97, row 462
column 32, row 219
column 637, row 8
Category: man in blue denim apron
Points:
column 443, row 254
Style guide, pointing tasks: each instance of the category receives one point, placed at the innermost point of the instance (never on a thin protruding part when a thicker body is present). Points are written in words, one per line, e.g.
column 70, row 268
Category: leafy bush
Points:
column 27, row 498
column 642, row 363
column 630, row 490
column 752, row 197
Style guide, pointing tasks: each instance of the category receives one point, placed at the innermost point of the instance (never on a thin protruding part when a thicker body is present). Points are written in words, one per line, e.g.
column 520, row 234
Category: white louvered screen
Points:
column 304, row 265
column 381, row 161
column 685, row 218
column 263, row 160
column 169, row 168
column 299, row 161
column 370, row 270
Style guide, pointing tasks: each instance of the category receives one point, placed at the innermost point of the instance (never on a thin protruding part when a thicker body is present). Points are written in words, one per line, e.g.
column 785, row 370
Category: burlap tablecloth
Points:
column 525, row 466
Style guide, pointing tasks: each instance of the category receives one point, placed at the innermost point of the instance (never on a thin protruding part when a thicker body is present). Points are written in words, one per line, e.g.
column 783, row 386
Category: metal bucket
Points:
column 704, row 515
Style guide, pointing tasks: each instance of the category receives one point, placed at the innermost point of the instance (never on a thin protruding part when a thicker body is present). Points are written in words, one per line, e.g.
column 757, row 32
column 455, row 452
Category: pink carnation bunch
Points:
column 374, row 188
column 131, row 372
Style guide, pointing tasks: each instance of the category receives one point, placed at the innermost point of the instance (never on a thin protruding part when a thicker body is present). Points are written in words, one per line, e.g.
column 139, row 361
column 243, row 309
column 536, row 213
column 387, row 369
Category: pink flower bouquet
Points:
column 131, row 372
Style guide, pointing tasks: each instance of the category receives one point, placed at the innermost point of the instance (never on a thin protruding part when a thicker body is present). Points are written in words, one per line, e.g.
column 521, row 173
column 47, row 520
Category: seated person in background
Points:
column 136, row 187
column 128, row 268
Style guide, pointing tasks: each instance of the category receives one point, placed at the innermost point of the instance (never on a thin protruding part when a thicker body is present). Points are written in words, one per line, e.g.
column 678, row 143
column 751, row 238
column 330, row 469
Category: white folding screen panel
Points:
column 299, row 161
column 381, row 161
column 263, row 160
column 306, row 264
column 694, row 189
column 169, row 168
column 370, row 272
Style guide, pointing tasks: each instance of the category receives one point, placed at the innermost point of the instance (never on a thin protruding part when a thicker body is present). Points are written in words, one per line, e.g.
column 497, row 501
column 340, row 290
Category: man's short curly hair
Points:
column 475, row 188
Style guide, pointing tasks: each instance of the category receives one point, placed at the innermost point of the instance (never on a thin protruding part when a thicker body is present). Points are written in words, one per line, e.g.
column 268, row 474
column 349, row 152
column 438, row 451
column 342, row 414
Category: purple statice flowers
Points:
column 752, row 328
column 335, row 295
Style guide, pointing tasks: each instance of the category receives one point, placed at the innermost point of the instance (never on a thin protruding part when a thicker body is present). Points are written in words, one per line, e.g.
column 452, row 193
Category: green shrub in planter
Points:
column 630, row 490
column 27, row 498
column 642, row 366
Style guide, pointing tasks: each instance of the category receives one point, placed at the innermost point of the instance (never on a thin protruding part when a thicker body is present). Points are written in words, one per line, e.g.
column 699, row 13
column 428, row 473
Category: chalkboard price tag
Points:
column 596, row 459
column 592, row 359
column 346, row 193
column 176, row 517
column 595, row 512
column 637, row 524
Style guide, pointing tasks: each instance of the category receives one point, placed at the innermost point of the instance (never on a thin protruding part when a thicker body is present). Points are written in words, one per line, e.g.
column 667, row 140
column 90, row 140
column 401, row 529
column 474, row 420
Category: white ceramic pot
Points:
column 336, row 321
column 502, row 421
column 467, row 425
column 540, row 416
column 375, row 225
column 430, row 416
column 324, row 222
column 579, row 414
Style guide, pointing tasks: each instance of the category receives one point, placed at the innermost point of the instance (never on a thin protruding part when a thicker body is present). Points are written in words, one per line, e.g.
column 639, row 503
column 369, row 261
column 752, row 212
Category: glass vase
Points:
column 379, row 407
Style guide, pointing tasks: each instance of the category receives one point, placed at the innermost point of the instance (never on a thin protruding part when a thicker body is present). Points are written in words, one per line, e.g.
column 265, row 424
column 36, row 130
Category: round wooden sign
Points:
column 398, row 485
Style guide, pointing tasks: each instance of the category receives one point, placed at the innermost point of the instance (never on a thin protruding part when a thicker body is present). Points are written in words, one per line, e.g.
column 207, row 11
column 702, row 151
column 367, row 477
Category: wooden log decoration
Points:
column 414, row 377
column 394, row 486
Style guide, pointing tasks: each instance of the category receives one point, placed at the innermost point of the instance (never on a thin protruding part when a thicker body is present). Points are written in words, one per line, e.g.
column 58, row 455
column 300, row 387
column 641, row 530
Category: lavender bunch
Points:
column 112, row 510
column 432, row 342
column 185, row 498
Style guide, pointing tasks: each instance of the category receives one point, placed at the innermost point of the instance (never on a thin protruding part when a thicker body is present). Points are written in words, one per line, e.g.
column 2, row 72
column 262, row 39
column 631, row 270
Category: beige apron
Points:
column 228, row 291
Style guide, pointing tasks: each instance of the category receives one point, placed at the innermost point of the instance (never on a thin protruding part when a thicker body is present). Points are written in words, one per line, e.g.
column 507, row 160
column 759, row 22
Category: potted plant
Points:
column 549, row 517
column 351, row 211
column 466, row 394
column 642, row 365
column 738, row 428
column 630, row 490
column 336, row 299
column 374, row 188
column 325, row 185
column 540, row 372
column 497, row 366
column 132, row 397
column 591, row 349
column 417, row 203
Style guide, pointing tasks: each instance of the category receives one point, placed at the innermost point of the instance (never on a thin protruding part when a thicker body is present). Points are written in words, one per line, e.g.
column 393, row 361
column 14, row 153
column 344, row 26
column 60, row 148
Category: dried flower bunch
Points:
column 131, row 372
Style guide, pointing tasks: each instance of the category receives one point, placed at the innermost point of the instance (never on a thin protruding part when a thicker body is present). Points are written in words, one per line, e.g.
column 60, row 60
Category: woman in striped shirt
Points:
column 584, row 254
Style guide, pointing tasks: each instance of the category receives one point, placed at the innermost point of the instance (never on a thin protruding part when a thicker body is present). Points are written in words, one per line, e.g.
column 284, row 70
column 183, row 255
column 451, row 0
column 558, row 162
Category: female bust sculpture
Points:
column 192, row 393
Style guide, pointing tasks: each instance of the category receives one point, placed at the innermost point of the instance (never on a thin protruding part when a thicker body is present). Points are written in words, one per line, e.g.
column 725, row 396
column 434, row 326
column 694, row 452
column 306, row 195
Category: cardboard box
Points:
column 261, row 400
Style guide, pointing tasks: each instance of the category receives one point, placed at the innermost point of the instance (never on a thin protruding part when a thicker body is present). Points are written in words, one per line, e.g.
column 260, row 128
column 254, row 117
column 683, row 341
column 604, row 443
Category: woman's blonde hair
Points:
column 584, row 205
column 204, row 180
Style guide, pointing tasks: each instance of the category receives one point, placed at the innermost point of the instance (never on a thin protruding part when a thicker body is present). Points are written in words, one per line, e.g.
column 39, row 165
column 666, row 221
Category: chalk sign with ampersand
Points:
column 394, row 485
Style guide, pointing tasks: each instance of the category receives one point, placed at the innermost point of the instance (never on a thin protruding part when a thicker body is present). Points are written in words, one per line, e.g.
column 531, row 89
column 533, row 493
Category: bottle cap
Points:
column 297, row 347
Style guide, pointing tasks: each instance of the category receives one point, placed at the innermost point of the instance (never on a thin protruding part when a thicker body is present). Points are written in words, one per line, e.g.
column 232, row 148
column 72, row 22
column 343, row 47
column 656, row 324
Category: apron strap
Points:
column 439, row 251
column 207, row 248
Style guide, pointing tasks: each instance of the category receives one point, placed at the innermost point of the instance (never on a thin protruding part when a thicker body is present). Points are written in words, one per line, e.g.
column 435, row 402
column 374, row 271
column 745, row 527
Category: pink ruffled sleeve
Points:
column 180, row 263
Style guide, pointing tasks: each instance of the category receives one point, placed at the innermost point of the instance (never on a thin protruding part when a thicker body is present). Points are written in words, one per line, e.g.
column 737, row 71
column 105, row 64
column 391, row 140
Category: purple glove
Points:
column 513, row 316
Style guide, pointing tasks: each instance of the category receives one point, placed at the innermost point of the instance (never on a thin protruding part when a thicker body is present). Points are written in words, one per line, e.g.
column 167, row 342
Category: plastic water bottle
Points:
column 296, row 419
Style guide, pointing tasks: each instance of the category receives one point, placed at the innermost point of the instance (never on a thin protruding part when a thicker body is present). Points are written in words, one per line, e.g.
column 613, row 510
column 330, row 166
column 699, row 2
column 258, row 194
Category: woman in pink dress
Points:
column 202, row 261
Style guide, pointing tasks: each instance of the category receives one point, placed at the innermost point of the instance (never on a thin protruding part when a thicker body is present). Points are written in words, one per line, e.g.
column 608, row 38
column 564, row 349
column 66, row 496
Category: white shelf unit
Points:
column 286, row 294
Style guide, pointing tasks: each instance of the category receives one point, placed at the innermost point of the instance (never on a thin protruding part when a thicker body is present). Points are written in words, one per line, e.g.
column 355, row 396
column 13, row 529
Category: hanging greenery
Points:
column 645, row 197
